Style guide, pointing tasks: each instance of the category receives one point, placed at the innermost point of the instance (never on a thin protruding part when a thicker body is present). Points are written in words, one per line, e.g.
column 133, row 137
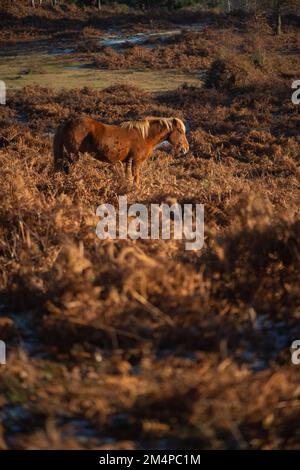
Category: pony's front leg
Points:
column 129, row 176
column 136, row 170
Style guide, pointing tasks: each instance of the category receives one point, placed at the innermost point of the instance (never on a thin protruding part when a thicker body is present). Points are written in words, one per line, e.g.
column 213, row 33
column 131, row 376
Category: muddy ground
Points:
column 142, row 344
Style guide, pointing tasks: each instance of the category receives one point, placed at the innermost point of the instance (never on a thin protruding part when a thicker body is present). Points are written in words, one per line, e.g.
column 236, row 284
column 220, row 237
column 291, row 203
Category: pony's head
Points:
column 173, row 130
column 177, row 136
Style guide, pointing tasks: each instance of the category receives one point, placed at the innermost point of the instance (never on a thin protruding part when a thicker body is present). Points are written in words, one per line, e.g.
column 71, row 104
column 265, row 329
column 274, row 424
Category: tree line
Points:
column 145, row 4
column 276, row 7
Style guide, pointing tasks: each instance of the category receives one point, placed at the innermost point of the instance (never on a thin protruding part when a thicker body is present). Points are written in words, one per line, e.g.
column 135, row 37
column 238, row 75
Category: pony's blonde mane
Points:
column 143, row 126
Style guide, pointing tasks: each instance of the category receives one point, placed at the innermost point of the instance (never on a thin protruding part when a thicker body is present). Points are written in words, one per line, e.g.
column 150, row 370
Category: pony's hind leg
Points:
column 69, row 160
column 119, row 168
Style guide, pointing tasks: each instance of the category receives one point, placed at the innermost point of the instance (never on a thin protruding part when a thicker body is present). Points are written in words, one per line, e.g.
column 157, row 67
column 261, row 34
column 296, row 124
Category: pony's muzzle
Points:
column 184, row 150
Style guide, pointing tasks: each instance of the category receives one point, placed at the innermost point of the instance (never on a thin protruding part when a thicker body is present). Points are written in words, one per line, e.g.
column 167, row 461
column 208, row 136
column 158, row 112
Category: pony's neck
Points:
column 157, row 134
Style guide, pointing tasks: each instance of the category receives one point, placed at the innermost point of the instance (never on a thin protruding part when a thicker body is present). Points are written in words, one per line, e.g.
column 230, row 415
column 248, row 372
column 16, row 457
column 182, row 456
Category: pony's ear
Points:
column 177, row 124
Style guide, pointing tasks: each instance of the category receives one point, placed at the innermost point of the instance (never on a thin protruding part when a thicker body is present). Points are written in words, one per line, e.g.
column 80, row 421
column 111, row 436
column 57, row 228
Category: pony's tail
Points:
column 58, row 149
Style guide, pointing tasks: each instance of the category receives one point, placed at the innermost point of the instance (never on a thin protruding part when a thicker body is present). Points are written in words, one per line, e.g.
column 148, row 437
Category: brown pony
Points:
column 132, row 142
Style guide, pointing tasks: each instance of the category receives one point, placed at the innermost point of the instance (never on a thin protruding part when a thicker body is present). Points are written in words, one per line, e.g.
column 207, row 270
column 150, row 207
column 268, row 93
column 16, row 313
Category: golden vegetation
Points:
column 141, row 344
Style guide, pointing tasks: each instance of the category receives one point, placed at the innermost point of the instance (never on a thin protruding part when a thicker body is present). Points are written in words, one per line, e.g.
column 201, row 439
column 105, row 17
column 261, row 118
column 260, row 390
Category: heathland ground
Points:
column 142, row 344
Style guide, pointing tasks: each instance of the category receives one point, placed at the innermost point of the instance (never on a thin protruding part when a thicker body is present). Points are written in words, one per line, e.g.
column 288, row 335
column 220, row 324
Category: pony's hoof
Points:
column 136, row 187
column 129, row 185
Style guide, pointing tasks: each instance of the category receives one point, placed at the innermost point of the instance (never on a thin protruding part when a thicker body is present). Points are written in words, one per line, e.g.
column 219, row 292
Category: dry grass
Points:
column 141, row 344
